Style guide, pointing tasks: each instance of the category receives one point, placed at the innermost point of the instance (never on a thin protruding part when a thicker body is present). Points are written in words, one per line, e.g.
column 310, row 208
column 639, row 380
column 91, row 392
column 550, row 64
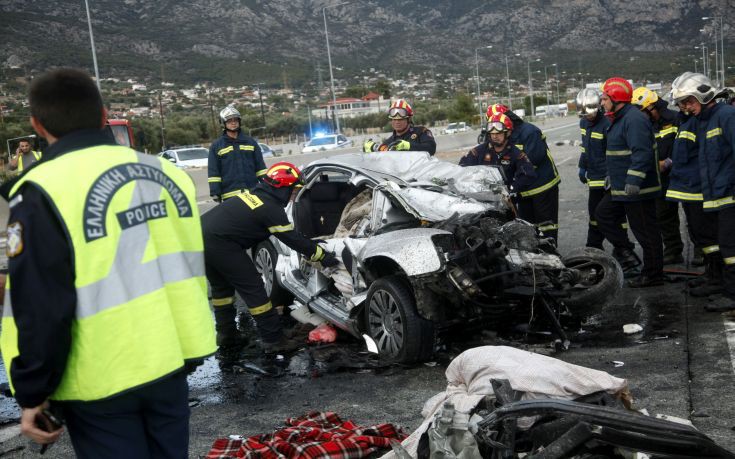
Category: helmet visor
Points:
column 397, row 113
column 496, row 126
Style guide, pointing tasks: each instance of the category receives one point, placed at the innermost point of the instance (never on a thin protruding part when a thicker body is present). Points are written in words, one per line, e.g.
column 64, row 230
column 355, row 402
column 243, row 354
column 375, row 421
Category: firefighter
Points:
column 24, row 156
column 498, row 151
column 406, row 136
column 632, row 169
column 664, row 123
column 715, row 137
column 539, row 204
column 685, row 187
column 235, row 159
column 239, row 224
column 107, row 307
column 593, row 170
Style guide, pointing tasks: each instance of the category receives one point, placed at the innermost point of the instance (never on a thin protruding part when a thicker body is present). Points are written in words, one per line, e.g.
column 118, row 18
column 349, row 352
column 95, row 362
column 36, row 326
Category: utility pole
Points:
column 262, row 111
column 211, row 110
column 94, row 53
column 163, row 126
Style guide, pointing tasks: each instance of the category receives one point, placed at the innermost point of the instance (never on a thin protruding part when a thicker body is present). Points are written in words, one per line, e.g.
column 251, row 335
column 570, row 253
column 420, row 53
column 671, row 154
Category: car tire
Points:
column 265, row 258
column 605, row 279
column 392, row 321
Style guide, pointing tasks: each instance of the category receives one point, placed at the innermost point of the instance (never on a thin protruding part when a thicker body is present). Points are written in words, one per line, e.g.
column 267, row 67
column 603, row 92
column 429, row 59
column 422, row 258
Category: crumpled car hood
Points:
column 433, row 189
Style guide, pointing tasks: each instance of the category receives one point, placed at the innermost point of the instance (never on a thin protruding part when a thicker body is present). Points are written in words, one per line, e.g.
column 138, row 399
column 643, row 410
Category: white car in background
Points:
column 454, row 128
column 186, row 157
column 327, row 142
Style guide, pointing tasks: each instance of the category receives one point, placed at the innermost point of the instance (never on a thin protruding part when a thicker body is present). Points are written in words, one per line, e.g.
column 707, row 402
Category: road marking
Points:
column 560, row 127
column 564, row 160
column 730, row 338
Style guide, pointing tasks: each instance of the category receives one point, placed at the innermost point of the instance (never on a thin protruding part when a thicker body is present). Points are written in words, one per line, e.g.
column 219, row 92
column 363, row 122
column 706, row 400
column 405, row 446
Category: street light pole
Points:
column 507, row 79
column 722, row 45
column 329, row 58
column 94, row 53
column 546, row 82
column 530, row 84
column 477, row 75
column 556, row 66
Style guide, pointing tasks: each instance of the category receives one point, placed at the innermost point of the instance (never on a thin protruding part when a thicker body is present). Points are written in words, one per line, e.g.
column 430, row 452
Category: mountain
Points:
column 247, row 41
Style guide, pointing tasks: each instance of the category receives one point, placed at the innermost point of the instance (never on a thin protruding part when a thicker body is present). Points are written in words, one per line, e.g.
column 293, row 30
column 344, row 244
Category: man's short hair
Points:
column 66, row 100
column 24, row 140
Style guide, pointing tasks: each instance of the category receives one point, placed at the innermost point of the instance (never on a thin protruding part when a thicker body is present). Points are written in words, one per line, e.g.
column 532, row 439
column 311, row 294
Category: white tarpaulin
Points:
column 536, row 375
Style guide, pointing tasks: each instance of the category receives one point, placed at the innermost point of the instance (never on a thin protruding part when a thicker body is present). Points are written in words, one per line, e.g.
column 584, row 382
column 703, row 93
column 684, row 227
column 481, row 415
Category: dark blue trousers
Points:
column 148, row 422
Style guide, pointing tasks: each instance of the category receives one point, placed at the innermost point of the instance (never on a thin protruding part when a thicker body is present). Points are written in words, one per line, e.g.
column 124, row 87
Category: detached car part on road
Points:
column 428, row 248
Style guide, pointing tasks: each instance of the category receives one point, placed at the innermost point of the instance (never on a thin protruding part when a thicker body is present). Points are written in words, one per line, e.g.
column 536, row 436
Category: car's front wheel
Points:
column 394, row 324
column 265, row 258
column 601, row 279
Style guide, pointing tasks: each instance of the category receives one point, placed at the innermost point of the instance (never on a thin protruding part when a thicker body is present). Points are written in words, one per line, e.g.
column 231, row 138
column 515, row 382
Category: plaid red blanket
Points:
column 315, row 435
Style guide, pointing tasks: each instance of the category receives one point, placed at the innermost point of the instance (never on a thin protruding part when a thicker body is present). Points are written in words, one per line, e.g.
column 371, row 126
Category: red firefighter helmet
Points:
column 499, row 123
column 496, row 109
column 399, row 110
column 618, row 89
column 283, row 174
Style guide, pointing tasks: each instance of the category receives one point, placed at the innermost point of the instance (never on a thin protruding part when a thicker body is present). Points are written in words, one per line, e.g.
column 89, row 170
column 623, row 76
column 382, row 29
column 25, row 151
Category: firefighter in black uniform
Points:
column 715, row 138
column 235, row 160
column 497, row 151
column 593, row 170
column 539, row 204
column 406, row 136
column 665, row 127
column 237, row 225
column 634, row 183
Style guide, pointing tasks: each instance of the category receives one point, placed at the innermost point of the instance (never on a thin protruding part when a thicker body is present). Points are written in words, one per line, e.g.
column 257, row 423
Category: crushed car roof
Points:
column 479, row 182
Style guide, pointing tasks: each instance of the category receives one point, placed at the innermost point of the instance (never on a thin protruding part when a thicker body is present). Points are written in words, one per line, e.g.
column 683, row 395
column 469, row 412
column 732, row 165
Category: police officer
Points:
column 632, row 170
column 593, row 170
column 498, row 151
column 695, row 94
column 24, row 156
column 664, row 123
column 107, row 306
column 685, row 187
column 235, row 160
column 406, row 136
column 539, row 204
column 237, row 225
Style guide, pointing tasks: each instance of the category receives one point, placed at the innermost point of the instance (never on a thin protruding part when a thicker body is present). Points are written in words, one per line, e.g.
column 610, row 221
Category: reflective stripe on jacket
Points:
column 135, row 235
column 234, row 165
column 716, row 141
column 530, row 140
column 685, row 183
column 631, row 155
column 592, row 158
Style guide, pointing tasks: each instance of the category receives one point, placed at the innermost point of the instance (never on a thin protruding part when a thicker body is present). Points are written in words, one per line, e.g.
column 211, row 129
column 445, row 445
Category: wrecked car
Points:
column 427, row 248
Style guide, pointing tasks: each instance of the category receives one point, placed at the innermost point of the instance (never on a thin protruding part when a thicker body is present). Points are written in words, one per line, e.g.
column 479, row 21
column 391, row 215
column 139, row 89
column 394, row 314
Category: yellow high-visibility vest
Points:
column 36, row 154
column 134, row 229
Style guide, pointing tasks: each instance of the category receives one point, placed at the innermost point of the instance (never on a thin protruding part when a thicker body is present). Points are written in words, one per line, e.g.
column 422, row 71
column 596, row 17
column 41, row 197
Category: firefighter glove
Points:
column 329, row 260
column 369, row 146
column 583, row 175
column 402, row 145
column 632, row 190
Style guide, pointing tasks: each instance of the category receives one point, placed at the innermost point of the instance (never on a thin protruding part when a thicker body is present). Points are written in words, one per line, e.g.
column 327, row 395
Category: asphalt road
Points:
column 681, row 364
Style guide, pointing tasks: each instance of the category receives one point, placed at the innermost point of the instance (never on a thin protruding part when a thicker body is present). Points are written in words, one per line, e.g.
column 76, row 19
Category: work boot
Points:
column 673, row 259
column 722, row 304
column 646, row 281
column 227, row 334
column 628, row 261
column 711, row 282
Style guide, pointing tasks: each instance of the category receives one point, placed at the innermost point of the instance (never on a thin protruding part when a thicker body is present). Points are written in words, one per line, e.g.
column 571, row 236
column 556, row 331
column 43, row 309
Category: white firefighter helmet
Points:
column 588, row 101
column 693, row 84
column 228, row 113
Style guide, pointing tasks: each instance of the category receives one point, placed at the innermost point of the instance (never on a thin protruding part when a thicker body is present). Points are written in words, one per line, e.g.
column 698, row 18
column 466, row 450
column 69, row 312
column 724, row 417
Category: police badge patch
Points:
column 15, row 239
column 413, row 136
